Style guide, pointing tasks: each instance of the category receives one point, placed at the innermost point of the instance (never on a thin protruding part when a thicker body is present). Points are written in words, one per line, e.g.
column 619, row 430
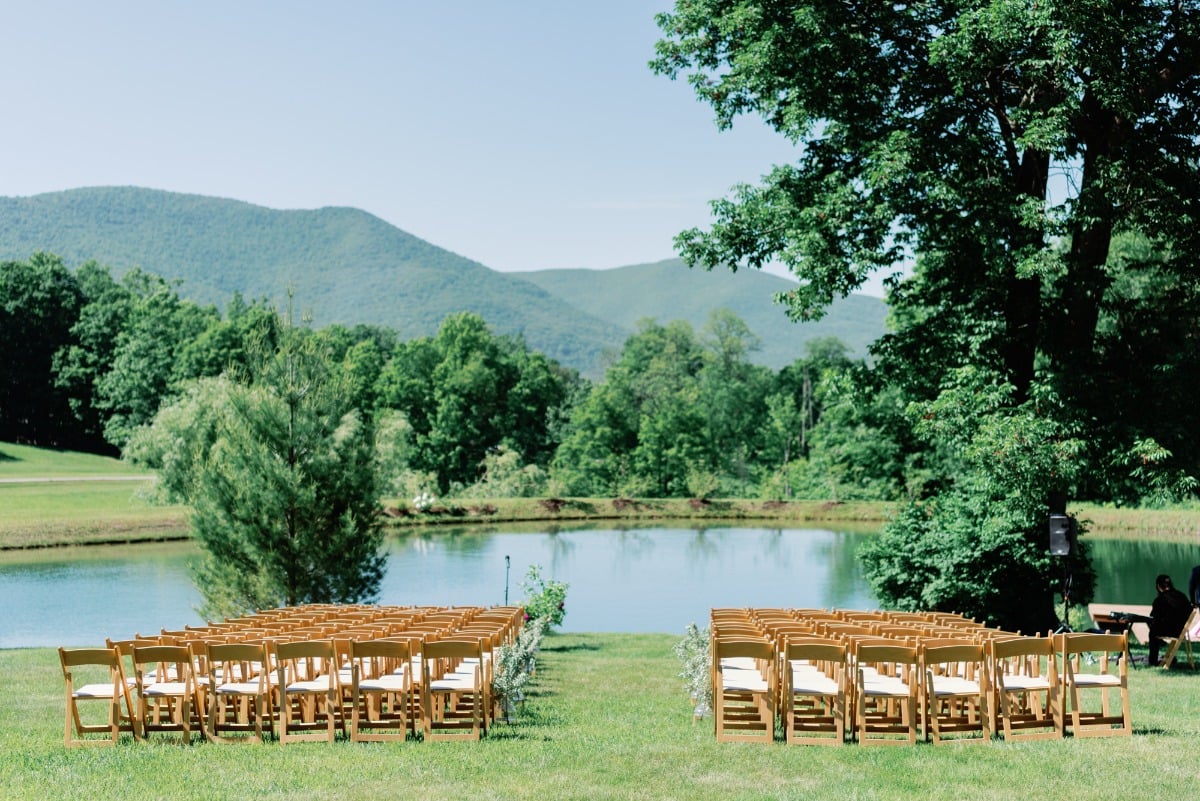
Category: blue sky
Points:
column 523, row 135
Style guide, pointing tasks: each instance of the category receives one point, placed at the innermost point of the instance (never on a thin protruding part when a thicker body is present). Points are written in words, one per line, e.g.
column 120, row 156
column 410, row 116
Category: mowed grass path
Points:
column 607, row 720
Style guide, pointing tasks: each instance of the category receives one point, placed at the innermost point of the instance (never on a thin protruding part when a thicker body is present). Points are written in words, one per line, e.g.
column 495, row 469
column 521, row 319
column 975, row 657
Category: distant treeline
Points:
column 90, row 358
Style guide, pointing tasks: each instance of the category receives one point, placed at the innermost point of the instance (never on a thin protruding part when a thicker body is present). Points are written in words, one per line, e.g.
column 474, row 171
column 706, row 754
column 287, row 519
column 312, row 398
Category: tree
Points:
column 467, row 393
column 280, row 472
column 998, row 143
column 80, row 363
column 39, row 304
column 142, row 373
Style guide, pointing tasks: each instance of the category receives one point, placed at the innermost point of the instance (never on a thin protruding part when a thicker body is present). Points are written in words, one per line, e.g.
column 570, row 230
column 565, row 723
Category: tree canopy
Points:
column 279, row 469
column 997, row 147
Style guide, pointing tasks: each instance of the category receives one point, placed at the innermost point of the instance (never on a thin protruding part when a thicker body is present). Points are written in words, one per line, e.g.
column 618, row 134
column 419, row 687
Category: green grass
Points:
column 22, row 461
column 607, row 720
column 80, row 512
column 66, row 498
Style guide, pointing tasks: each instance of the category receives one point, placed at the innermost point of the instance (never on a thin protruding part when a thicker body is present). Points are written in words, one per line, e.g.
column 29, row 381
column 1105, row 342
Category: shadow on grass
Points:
column 4, row 457
column 567, row 649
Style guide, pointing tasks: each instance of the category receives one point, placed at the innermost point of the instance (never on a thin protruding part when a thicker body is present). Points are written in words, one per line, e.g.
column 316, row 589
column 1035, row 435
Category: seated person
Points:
column 1194, row 586
column 1168, row 613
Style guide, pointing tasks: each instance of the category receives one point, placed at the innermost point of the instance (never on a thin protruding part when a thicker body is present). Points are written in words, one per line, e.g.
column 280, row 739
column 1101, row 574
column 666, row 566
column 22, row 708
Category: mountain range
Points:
column 348, row 266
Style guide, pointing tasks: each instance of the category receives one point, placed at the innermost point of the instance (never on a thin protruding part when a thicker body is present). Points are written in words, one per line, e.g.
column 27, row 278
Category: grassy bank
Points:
column 607, row 720
column 55, row 498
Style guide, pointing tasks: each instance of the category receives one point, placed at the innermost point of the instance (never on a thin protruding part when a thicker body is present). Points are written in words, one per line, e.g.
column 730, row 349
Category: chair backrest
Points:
column 1024, row 649
column 897, row 659
column 304, row 660
column 383, row 656
column 100, row 657
column 748, row 648
column 1074, row 643
column 819, row 651
column 951, row 654
column 228, row 662
column 169, row 661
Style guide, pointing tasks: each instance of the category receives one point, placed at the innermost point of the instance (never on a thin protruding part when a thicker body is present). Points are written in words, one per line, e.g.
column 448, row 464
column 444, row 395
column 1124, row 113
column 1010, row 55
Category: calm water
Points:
column 627, row 580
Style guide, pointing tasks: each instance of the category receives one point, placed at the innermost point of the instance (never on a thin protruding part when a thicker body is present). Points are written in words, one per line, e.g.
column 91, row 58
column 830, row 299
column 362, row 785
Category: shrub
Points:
column 695, row 655
column 544, row 599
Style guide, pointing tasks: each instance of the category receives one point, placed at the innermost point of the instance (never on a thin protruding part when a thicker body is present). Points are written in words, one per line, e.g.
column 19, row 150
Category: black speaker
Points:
column 1060, row 535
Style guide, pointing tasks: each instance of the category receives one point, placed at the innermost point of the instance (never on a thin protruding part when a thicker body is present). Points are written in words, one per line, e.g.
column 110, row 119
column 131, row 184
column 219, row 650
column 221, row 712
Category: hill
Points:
column 349, row 266
column 345, row 265
column 668, row 290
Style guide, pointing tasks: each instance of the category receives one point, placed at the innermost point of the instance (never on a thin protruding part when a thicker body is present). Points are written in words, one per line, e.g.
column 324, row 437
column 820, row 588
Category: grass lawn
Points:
column 22, row 461
column 607, row 720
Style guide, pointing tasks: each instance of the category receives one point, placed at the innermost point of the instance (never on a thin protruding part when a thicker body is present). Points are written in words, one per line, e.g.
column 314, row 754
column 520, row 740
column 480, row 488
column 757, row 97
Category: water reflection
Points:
column 1126, row 570
column 634, row 579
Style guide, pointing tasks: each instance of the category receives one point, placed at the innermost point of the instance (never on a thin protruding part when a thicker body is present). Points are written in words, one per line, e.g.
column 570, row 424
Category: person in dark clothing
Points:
column 1168, row 613
column 1194, row 586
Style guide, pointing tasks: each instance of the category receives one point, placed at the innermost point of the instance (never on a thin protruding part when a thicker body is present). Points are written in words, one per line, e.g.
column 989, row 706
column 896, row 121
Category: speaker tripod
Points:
column 1064, row 624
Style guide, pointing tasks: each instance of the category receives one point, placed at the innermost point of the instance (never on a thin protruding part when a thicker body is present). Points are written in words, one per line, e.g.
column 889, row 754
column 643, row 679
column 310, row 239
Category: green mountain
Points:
column 348, row 266
column 669, row 290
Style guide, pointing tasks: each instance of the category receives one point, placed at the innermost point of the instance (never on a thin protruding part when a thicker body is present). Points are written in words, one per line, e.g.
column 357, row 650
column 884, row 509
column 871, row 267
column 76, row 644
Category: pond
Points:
column 647, row 579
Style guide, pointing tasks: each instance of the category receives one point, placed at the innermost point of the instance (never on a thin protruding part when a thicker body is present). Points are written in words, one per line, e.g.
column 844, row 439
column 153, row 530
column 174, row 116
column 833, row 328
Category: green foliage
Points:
column 280, row 472
column 1163, row 485
column 387, row 277
column 516, row 663
column 466, row 393
column 545, row 599
column 666, row 291
column 145, row 358
column 928, row 134
column 980, row 547
column 505, row 476
column 39, row 303
column 695, row 657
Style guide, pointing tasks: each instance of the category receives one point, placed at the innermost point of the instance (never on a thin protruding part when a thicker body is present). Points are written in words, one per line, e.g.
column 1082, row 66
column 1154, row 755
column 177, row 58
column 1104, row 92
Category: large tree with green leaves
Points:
column 39, row 304
column 999, row 145
column 279, row 469
column 467, row 392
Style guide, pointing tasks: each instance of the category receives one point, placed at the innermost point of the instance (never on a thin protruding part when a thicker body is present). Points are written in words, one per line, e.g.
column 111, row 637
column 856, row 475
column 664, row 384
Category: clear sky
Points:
column 523, row 134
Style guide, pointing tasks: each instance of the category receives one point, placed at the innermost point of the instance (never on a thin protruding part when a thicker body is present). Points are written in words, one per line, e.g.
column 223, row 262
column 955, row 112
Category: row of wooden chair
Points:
column 303, row 673
column 820, row 675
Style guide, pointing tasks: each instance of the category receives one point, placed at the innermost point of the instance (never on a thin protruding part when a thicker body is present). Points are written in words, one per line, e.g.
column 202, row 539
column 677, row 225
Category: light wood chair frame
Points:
column 310, row 702
column 1112, row 719
column 114, row 693
column 240, row 697
column 955, row 697
column 1026, row 688
column 814, row 691
column 888, row 683
column 167, row 696
column 745, row 688
column 381, row 691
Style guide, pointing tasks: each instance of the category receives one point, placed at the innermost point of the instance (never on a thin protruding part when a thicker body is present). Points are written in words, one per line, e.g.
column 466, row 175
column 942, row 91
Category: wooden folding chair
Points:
column 1026, row 702
column 1110, row 676
column 112, row 693
column 381, row 690
column 239, row 699
column 453, row 695
column 310, row 702
column 814, row 691
column 955, row 691
column 167, row 698
column 1189, row 634
column 744, row 690
column 888, row 684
